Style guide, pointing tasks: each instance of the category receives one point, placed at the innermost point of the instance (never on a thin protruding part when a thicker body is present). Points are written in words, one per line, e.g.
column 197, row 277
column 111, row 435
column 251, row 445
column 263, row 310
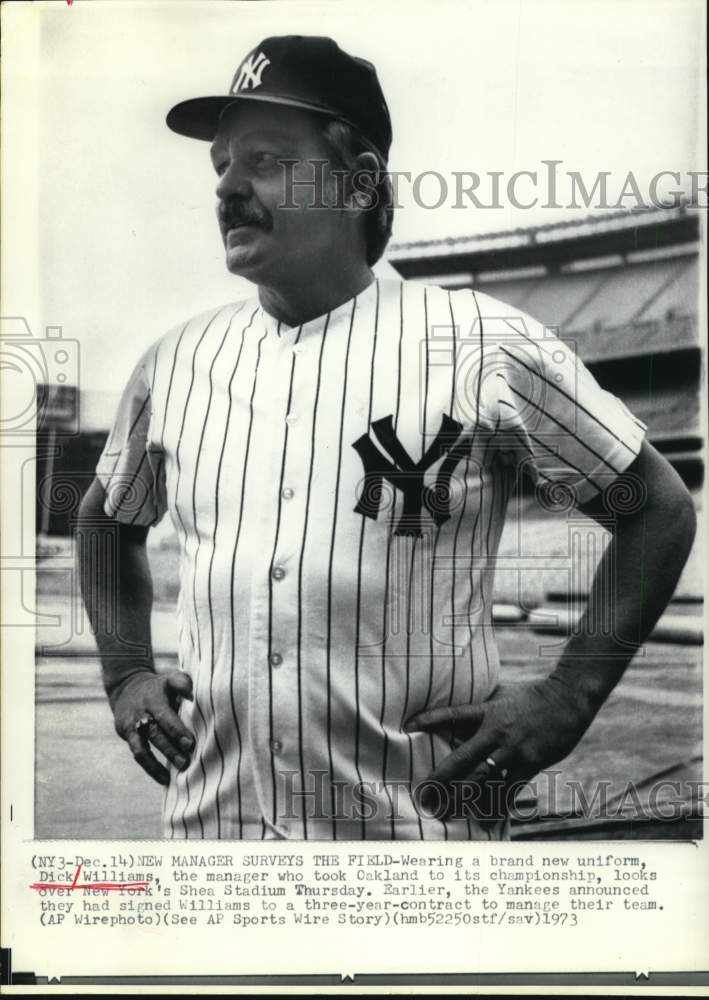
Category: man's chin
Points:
column 243, row 262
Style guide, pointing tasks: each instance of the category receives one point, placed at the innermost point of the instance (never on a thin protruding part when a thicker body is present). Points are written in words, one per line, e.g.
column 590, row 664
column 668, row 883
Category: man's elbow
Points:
column 685, row 518
column 673, row 520
column 669, row 507
column 91, row 509
column 92, row 519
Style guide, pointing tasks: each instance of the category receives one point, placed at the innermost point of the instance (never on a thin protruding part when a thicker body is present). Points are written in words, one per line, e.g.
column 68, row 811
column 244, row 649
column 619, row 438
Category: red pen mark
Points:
column 139, row 886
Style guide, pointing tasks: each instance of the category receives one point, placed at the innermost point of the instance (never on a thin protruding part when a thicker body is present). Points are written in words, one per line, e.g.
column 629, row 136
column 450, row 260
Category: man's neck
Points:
column 296, row 302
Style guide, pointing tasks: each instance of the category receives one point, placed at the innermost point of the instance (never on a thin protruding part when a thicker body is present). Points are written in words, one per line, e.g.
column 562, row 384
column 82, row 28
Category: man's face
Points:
column 264, row 240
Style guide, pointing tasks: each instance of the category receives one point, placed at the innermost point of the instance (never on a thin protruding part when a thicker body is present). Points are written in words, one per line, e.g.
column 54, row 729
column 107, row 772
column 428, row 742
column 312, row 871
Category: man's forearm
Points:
column 117, row 590
column 632, row 586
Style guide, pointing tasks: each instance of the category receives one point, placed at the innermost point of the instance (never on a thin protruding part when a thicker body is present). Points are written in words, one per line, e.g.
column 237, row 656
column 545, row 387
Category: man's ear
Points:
column 364, row 178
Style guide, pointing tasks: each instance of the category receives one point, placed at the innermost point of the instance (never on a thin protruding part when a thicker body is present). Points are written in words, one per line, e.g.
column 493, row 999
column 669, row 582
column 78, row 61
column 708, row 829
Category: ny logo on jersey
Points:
column 248, row 76
column 407, row 476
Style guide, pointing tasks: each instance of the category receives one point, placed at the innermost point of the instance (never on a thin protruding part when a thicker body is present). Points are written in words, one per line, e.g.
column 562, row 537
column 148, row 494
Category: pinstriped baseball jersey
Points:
column 339, row 490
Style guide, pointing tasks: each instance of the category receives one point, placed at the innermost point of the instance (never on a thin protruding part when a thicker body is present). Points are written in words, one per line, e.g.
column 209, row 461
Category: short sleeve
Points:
column 131, row 467
column 552, row 414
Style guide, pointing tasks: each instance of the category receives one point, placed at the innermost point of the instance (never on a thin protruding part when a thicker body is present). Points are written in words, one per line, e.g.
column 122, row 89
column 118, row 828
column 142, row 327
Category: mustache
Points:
column 233, row 213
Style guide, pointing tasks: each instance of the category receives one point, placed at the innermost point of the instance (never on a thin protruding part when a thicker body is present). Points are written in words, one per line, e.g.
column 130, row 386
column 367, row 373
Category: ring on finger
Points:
column 143, row 724
column 494, row 766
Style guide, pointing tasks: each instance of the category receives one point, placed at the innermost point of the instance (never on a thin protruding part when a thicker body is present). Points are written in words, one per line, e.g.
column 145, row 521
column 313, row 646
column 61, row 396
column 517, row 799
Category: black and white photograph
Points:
column 358, row 427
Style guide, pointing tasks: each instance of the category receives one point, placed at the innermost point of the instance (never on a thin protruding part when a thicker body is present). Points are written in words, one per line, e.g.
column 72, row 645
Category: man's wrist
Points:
column 114, row 685
column 589, row 674
column 578, row 689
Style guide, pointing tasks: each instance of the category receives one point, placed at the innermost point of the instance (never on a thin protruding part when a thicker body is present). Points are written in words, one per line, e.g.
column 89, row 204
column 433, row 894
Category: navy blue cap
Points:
column 297, row 71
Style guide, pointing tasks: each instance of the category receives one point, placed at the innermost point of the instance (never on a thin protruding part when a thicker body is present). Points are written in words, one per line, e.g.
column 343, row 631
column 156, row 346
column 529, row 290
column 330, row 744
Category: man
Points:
column 338, row 484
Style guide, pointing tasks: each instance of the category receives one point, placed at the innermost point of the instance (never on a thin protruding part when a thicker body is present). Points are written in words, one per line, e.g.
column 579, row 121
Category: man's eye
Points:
column 220, row 168
column 264, row 158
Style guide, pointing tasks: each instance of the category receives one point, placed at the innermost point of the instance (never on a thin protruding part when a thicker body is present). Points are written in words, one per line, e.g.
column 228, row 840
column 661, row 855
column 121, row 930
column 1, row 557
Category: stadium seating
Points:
column 558, row 298
column 514, row 292
column 626, row 293
column 678, row 298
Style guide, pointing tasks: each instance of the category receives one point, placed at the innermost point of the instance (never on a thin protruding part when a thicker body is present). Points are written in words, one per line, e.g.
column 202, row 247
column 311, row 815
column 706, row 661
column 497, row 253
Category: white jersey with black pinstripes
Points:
column 339, row 490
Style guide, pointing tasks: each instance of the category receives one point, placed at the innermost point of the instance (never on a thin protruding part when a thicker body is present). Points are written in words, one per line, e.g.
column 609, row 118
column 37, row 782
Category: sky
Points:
column 126, row 243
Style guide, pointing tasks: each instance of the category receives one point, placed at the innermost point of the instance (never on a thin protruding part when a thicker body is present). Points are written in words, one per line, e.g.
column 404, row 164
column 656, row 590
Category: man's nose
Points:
column 233, row 183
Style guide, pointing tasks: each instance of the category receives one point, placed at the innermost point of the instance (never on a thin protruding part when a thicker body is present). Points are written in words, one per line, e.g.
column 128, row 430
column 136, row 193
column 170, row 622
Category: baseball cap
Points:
column 300, row 71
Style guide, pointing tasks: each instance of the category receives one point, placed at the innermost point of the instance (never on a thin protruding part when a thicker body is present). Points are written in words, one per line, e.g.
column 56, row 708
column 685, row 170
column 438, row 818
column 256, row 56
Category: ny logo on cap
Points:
column 249, row 74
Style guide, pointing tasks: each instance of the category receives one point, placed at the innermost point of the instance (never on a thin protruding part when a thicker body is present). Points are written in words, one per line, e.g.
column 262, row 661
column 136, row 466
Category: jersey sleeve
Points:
column 131, row 467
column 552, row 415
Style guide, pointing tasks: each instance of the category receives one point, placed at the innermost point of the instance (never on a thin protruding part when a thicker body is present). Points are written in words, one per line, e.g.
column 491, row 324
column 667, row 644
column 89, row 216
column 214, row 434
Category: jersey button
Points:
column 288, row 493
column 291, row 418
column 276, row 659
column 276, row 746
column 278, row 573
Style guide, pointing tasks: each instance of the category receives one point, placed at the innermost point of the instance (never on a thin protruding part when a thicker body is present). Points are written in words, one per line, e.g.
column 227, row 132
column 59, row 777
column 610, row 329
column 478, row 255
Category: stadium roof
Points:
column 550, row 245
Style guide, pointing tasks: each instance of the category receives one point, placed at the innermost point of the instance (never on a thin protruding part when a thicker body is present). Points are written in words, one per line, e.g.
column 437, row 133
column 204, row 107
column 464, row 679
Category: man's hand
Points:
column 155, row 696
column 523, row 728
